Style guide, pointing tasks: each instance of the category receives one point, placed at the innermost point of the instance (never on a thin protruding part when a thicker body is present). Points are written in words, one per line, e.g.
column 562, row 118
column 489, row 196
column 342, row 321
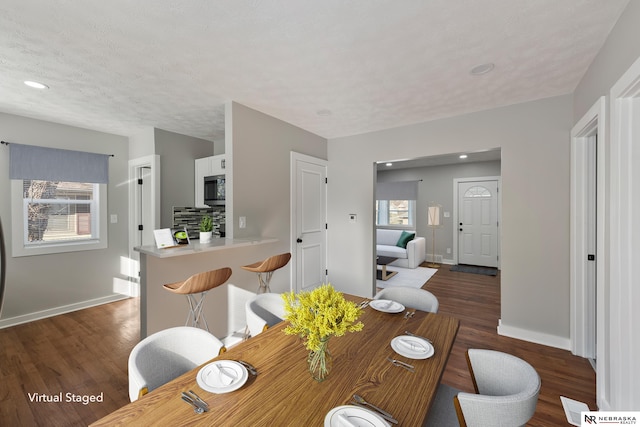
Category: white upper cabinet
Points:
column 218, row 164
column 207, row 166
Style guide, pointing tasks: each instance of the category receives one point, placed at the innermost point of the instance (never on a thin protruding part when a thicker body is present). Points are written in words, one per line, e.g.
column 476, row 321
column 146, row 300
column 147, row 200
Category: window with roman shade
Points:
column 58, row 200
column 396, row 203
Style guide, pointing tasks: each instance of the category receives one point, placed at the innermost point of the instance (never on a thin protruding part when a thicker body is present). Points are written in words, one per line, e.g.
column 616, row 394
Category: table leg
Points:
column 384, row 276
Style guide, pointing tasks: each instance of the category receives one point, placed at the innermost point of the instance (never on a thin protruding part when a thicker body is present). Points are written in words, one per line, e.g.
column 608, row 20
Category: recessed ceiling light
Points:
column 388, row 164
column 323, row 112
column 36, row 85
column 463, row 156
column 479, row 70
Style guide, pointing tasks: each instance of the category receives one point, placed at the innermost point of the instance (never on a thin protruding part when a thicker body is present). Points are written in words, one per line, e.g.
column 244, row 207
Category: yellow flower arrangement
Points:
column 318, row 314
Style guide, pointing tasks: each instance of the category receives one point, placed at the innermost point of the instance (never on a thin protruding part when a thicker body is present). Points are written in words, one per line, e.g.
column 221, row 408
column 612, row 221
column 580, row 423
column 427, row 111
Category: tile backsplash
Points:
column 190, row 219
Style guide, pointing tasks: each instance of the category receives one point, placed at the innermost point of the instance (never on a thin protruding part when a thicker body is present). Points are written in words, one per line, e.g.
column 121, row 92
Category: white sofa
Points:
column 411, row 257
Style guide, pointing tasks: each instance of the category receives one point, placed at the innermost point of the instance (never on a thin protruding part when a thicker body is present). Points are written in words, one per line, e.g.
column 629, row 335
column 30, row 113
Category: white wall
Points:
column 44, row 285
column 534, row 138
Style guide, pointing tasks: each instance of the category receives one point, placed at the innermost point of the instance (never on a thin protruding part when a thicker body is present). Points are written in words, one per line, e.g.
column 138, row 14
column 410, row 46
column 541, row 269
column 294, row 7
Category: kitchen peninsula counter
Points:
column 224, row 305
column 215, row 244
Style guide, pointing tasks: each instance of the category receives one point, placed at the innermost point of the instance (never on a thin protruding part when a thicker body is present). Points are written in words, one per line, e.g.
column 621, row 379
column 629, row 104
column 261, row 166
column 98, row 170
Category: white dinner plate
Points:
column 353, row 416
column 222, row 376
column 412, row 347
column 386, row 306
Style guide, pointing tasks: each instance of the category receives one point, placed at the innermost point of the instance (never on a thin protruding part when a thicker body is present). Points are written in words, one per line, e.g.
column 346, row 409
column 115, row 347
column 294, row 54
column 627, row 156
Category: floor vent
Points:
column 572, row 410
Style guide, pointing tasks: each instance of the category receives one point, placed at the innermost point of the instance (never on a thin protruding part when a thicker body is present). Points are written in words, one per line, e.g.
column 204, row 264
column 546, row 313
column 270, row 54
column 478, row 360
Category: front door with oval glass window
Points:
column 478, row 223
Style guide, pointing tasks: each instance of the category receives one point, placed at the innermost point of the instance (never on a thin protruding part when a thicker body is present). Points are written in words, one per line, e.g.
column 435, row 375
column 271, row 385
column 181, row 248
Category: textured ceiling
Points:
column 120, row 66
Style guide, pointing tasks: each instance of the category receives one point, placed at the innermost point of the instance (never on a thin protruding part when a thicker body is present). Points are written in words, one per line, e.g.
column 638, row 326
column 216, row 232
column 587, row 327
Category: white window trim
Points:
column 17, row 227
column 412, row 216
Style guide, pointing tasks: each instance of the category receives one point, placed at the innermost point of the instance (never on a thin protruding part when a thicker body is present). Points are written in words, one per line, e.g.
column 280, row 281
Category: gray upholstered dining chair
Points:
column 417, row 298
column 507, row 390
column 166, row 355
column 264, row 311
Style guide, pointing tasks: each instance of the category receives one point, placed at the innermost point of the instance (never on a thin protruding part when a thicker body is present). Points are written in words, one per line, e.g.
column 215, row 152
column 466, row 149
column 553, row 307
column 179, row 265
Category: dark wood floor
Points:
column 475, row 300
column 85, row 353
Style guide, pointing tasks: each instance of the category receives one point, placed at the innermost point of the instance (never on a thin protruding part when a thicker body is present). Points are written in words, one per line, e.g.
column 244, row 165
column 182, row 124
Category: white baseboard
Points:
column 439, row 259
column 533, row 336
column 25, row 318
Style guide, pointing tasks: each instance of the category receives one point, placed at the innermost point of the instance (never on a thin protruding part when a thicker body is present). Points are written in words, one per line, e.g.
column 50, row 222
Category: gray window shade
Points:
column 52, row 164
column 397, row 190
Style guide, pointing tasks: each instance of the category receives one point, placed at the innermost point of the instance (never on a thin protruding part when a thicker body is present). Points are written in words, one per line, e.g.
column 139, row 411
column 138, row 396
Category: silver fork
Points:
column 197, row 409
column 401, row 364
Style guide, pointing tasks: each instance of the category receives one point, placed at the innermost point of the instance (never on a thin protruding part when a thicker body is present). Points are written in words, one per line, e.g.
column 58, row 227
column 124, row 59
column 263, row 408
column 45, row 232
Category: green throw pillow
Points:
column 404, row 239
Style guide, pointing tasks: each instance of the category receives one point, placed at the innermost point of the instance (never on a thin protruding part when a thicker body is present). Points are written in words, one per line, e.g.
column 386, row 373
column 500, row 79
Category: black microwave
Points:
column 214, row 191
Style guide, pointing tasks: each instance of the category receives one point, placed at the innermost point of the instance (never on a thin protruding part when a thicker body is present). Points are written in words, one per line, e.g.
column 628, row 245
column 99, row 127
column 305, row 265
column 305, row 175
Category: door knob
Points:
column 299, row 240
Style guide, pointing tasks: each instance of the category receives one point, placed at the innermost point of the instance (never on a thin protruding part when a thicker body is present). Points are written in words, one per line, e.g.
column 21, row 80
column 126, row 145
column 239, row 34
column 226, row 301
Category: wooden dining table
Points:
column 284, row 393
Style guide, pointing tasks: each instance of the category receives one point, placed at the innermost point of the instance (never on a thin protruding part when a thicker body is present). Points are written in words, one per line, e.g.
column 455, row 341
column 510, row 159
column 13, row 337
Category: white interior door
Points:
column 144, row 206
column 584, row 242
column 588, row 277
column 145, row 211
column 478, row 223
column 309, row 221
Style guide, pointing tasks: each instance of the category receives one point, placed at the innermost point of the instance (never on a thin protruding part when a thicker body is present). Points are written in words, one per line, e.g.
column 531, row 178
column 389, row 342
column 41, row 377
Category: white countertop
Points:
column 195, row 247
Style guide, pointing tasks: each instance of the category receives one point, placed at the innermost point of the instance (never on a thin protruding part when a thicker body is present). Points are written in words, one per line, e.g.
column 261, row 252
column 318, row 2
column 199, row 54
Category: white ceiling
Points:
column 120, row 66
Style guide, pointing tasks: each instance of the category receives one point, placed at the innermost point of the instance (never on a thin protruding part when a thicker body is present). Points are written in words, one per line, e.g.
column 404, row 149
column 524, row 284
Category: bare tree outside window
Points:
column 58, row 211
column 38, row 213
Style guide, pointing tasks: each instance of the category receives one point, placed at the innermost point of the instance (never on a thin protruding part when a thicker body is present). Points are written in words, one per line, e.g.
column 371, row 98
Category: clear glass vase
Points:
column 320, row 361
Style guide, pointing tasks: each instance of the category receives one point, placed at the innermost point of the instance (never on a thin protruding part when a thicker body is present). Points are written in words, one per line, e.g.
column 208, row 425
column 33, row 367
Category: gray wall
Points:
column 177, row 165
column 261, row 154
column 437, row 186
column 615, row 374
column 48, row 284
column 617, row 54
column 534, row 139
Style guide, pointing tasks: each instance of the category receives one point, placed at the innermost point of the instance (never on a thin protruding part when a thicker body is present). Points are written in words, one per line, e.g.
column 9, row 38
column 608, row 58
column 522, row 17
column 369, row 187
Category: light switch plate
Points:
column 114, row 218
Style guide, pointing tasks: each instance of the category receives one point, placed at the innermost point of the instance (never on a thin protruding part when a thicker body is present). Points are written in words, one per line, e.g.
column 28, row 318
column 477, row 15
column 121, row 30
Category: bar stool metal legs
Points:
column 195, row 288
column 264, row 279
column 195, row 311
column 266, row 268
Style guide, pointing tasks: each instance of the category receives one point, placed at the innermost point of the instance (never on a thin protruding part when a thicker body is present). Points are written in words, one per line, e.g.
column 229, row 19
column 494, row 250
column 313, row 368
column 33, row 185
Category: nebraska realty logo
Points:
column 628, row 418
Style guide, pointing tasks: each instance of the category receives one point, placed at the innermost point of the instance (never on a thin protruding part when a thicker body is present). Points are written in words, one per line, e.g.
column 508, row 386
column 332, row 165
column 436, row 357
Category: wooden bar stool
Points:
column 200, row 284
column 266, row 268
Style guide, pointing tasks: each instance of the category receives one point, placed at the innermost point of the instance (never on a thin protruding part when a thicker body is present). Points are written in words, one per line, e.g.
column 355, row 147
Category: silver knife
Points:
column 386, row 417
column 196, row 397
column 418, row 336
column 249, row 366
